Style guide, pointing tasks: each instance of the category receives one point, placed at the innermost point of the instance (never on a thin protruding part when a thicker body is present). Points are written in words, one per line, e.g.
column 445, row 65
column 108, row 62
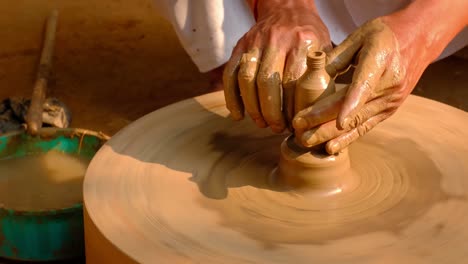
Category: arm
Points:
column 266, row 6
column 253, row 6
column 433, row 24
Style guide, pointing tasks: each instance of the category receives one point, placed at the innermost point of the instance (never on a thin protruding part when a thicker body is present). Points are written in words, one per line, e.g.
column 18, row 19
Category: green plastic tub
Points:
column 53, row 234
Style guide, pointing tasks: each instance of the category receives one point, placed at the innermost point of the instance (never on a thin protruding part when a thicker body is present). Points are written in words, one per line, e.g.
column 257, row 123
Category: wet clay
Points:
column 313, row 169
column 315, row 84
column 199, row 188
column 38, row 182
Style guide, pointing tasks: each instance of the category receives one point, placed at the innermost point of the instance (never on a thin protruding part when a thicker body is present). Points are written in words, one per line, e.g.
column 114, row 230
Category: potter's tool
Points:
column 187, row 184
column 34, row 117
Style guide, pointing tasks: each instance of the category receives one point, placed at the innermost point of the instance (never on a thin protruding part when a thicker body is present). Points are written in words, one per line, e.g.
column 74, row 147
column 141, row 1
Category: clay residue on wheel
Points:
column 199, row 185
column 399, row 183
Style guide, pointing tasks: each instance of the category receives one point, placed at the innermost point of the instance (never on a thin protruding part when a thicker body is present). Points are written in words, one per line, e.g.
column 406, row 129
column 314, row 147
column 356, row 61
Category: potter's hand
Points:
column 267, row 61
column 391, row 53
column 379, row 86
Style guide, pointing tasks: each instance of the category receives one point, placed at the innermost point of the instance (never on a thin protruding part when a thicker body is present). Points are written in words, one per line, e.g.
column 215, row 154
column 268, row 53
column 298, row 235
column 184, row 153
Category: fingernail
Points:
column 310, row 139
column 300, row 123
column 345, row 123
column 333, row 148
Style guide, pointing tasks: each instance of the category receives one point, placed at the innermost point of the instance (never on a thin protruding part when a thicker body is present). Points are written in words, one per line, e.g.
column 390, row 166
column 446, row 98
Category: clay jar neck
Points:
column 313, row 170
column 315, row 83
column 316, row 61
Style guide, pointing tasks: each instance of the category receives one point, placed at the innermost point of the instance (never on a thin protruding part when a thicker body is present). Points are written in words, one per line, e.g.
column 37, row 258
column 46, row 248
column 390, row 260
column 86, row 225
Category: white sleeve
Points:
column 342, row 17
column 208, row 29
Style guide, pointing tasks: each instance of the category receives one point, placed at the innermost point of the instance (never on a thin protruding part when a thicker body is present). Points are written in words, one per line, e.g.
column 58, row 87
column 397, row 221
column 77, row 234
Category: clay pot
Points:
column 315, row 83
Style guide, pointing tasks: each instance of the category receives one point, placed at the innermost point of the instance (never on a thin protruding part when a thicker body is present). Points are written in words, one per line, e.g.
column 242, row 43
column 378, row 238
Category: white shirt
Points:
column 210, row 29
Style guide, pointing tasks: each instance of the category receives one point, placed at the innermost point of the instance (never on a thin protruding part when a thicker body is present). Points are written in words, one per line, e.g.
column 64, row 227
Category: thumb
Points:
column 341, row 57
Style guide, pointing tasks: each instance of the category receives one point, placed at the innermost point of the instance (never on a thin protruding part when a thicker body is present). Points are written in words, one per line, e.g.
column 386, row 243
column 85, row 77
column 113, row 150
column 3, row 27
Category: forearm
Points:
column 253, row 6
column 430, row 24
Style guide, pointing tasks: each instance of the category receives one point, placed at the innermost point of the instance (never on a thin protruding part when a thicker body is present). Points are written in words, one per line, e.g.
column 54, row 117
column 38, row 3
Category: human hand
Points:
column 388, row 68
column 261, row 74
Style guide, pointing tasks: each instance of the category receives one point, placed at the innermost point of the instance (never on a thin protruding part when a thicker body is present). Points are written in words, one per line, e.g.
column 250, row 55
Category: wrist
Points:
column 267, row 7
column 428, row 25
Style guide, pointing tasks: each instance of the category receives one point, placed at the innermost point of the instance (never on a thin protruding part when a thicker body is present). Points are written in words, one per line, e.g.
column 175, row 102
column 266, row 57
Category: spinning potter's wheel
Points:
column 186, row 184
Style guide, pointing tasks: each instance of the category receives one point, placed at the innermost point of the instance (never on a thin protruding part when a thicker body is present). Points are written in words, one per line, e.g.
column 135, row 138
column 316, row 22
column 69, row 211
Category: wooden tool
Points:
column 34, row 117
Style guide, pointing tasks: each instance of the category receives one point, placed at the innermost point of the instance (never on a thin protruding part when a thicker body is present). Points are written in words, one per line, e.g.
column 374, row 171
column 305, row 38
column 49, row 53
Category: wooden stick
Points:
column 34, row 117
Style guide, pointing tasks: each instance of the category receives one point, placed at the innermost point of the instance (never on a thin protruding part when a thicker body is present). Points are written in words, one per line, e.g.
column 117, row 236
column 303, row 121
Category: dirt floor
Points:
column 116, row 60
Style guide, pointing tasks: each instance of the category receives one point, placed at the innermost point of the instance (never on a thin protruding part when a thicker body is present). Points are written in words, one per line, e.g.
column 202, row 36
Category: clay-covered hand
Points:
column 389, row 61
column 380, row 84
column 260, row 76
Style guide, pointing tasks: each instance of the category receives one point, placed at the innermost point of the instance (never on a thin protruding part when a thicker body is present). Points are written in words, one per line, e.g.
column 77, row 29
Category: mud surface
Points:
column 114, row 61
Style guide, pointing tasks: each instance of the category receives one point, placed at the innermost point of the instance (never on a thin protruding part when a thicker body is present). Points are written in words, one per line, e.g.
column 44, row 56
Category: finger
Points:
column 328, row 131
column 321, row 134
column 322, row 111
column 270, row 88
column 248, row 88
column 295, row 66
column 231, row 89
column 370, row 109
column 372, row 62
column 336, row 145
column 343, row 55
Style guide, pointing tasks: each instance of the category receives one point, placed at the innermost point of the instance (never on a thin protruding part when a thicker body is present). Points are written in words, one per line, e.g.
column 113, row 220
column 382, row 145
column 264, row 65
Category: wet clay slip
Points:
column 38, row 182
column 186, row 184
